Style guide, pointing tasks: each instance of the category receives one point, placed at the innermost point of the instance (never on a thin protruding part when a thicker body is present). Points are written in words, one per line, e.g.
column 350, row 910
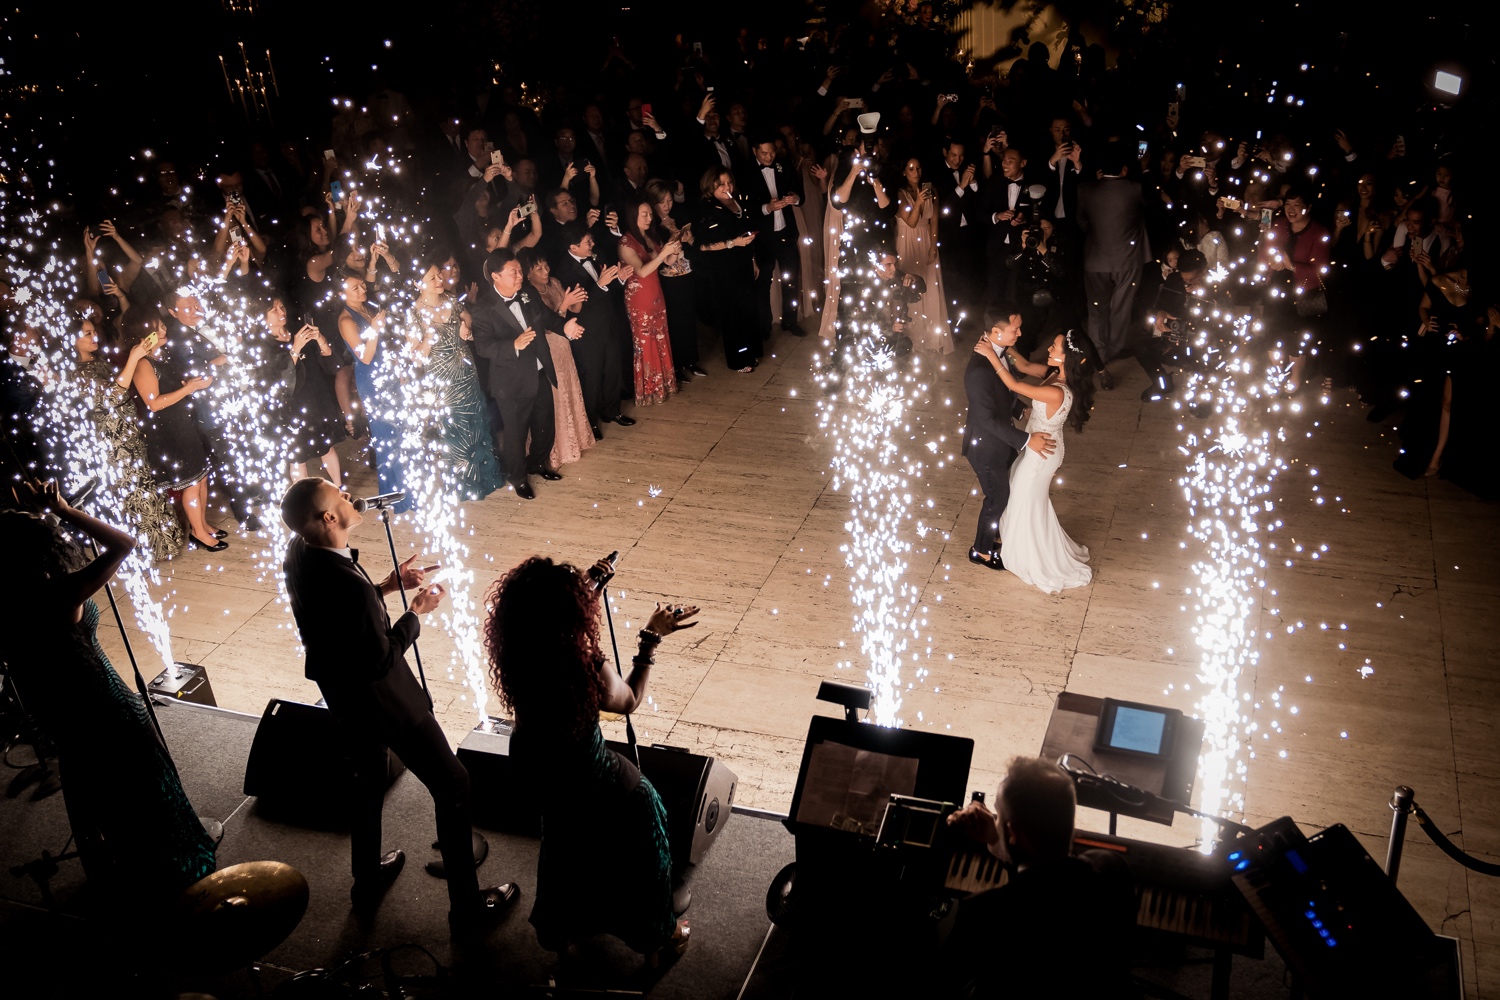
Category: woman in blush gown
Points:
column 917, row 253
column 570, row 418
column 645, row 249
column 1036, row 547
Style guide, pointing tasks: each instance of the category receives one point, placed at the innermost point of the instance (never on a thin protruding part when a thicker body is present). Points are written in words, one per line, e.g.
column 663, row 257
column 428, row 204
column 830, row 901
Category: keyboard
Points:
column 1179, row 891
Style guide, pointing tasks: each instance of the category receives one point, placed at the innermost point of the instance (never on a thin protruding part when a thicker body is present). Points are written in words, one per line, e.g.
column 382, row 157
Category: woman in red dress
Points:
column 645, row 249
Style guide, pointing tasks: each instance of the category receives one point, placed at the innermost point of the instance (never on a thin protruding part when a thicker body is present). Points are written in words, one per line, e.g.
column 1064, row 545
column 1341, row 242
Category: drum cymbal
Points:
column 239, row 913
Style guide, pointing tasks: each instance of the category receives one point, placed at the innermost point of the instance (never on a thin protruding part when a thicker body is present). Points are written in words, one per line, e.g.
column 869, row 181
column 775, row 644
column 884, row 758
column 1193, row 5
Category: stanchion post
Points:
column 1403, row 801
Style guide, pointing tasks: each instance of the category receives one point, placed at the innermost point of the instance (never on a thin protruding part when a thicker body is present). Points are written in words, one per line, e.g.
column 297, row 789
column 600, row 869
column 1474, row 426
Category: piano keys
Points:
column 1179, row 892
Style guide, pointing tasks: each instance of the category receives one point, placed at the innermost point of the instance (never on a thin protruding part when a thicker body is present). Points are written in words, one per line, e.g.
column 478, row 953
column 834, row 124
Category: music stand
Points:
column 1075, row 719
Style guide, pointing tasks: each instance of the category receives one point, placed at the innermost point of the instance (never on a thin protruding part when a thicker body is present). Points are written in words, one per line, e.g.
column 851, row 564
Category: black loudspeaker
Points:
column 298, row 760
column 697, row 791
column 500, row 796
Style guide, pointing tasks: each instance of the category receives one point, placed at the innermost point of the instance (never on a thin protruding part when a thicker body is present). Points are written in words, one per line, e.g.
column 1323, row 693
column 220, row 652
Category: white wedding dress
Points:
column 1033, row 545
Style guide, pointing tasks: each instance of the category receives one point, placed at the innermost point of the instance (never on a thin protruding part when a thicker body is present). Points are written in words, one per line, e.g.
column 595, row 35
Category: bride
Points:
column 1036, row 548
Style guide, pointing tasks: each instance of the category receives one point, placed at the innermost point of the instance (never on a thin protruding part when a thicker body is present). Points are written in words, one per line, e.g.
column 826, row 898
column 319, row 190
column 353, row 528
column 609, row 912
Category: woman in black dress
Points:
column 724, row 233
column 136, row 831
column 677, row 282
column 309, row 404
column 174, row 448
column 606, row 864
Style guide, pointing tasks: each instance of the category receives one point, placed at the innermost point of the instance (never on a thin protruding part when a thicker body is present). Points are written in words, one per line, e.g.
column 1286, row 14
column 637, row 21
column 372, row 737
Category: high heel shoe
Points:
column 676, row 945
column 220, row 533
column 216, row 547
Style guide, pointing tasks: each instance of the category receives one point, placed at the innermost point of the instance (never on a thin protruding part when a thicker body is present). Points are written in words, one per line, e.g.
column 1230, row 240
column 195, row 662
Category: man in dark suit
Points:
column 960, row 229
column 772, row 193
column 991, row 439
column 1112, row 217
column 598, row 352
column 358, row 659
column 510, row 325
column 1008, row 207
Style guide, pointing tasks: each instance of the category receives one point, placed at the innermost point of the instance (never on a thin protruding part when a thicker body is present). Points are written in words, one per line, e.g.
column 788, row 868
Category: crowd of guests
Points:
column 534, row 264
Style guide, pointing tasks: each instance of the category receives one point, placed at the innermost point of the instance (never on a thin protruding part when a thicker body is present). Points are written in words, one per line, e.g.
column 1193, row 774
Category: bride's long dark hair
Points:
column 1080, row 362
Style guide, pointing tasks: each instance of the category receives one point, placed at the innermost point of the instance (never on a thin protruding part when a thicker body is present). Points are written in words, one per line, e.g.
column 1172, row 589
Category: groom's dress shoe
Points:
column 979, row 559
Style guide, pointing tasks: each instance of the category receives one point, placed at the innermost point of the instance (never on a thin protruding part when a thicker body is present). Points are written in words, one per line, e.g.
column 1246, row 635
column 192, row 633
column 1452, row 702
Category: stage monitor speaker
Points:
column 496, row 789
column 698, row 792
column 298, row 760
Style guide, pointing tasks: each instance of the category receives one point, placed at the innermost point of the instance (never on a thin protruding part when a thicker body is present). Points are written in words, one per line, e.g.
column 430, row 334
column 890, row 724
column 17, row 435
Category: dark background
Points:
column 84, row 93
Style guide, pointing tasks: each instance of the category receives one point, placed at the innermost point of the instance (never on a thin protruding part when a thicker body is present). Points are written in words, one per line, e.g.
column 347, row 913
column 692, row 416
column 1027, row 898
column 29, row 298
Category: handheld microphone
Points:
column 82, row 494
column 599, row 579
column 382, row 502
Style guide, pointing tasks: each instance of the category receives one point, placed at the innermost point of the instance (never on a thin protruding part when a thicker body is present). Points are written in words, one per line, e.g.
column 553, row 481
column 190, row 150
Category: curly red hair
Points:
column 542, row 637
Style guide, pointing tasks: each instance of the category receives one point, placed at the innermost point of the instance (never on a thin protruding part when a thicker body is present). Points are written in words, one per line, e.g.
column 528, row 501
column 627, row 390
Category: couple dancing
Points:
column 1017, row 506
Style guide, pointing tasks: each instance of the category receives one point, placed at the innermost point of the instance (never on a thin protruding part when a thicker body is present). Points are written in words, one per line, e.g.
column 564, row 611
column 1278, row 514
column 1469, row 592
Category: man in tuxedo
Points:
column 510, row 325
column 991, row 439
column 598, row 353
column 1008, row 208
column 960, row 229
column 1112, row 217
column 357, row 656
column 772, row 193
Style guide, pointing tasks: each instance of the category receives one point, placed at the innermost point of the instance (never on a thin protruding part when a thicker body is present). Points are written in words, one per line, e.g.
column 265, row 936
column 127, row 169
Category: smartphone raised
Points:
column 497, row 158
column 104, row 278
column 527, row 208
column 1141, row 148
column 337, row 190
column 646, row 109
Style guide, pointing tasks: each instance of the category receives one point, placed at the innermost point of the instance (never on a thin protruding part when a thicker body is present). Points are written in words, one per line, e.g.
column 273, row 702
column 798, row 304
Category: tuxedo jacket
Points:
column 990, row 434
column 600, row 313
column 752, row 181
column 1112, row 215
column 997, row 199
column 957, row 205
column 512, row 373
column 355, row 653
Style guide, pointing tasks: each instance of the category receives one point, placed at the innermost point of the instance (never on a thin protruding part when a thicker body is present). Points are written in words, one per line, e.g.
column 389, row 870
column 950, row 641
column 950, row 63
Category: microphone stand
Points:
column 635, row 752
column 385, row 517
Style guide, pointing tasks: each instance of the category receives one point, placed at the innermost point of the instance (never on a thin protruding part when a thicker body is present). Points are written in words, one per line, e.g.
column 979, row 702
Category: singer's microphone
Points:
column 82, row 494
column 381, row 502
column 599, row 579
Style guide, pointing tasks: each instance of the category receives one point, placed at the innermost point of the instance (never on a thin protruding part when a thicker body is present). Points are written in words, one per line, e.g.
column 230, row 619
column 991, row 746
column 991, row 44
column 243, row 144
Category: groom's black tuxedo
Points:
column 991, row 443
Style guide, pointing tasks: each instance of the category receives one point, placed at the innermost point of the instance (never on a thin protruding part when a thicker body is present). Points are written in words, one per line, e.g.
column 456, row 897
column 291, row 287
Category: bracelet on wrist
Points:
column 649, row 638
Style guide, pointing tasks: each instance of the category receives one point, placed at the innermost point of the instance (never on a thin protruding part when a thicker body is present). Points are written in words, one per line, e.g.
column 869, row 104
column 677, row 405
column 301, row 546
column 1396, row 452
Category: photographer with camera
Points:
column 1038, row 276
column 1171, row 322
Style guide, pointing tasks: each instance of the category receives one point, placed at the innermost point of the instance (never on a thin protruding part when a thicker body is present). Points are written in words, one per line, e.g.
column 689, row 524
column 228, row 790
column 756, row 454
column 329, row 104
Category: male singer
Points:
column 357, row 657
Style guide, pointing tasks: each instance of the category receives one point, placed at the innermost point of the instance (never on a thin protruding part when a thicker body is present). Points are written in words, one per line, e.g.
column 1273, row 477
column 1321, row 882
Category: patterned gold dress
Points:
column 141, row 501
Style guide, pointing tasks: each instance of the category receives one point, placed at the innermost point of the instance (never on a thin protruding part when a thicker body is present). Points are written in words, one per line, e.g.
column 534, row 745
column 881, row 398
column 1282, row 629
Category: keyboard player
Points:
column 1060, row 926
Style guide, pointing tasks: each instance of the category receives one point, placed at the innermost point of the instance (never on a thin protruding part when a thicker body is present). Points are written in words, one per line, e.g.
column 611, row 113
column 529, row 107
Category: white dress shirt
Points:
column 779, row 220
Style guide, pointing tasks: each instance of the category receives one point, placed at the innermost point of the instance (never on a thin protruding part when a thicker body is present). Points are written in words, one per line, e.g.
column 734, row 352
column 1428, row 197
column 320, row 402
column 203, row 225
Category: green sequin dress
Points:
column 143, row 505
column 605, row 865
column 135, row 829
column 451, row 373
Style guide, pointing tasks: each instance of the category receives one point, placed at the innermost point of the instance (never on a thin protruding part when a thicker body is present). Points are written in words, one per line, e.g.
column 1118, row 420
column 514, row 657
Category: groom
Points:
column 991, row 439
